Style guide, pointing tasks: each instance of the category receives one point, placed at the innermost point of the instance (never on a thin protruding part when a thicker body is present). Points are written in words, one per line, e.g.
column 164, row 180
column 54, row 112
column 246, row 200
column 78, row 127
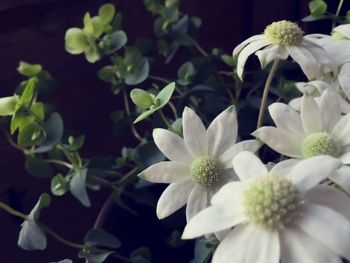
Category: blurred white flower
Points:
column 319, row 129
column 277, row 216
column 200, row 163
column 279, row 41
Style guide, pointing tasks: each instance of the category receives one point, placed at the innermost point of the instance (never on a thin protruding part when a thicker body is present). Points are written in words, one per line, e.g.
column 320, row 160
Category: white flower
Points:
column 287, row 217
column 319, row 129
column 281, row 39
column 315, row 88
column 200, row 163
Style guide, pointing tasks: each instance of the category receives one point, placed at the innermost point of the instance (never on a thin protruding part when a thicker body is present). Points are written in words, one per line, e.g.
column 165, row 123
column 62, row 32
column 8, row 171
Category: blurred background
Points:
column 33, row 31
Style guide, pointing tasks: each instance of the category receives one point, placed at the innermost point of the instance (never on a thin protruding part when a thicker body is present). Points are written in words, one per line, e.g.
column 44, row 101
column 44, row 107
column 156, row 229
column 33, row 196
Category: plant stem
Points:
column 13, row 144
column 159, row 79
column 337, row 13
column 126, row 177
column 266, row 93
column 167, row 123
column 127, row 109
column 12, row 211
column 63, row 163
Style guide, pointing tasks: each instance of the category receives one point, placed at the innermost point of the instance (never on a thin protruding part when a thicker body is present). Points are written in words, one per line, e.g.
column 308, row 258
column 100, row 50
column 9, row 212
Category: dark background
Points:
column 33, row 31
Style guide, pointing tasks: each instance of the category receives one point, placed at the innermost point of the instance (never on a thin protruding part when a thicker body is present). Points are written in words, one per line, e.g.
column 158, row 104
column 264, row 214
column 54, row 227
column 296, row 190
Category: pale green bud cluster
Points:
column 320, row 143
column 205, row 171
column 284, row 33
column 271, row 202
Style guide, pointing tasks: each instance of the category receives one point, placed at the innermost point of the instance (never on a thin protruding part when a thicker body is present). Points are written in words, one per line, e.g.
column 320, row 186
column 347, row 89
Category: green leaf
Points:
column 8, row 105
column 94, row 258
column 228, row 60
column 29, row 135
column 20, row 120
column 38, row 111
column 63, row 261
column 185, row 73
column 317, row 7
column 113, row 42
column 141, row 73
column 97, row 26
column 38, row 167
column 171, row 13
column 76, row 143
column 99, row 237
column 106, row 73
column 176, row 127
column 29, row 70
column 59, row 185
column 53, row 129
column 76, row 41
column 78, row 187
column 106, row 13
column 141, row 98
column 165, row 94
column 141, row 253
column 28, row 93
column 92, row 52
column 147, row 154
column 44, row 201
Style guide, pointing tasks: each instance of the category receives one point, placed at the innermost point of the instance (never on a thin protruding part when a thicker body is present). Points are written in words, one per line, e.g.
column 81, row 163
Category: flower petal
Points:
column 264, row 247
column 342, row 177
column 248, row 166
column 271, row 53
column 280, row 140
column 195, row 134
column 197, row 201
column 249, row 145
column 173, row 198
column 284, row 167
column 286, row 118
column 213, row 219
column 238, row 48
column 233, row 247
column 230, row 192
column 306, row 60
column 222, row 132
column 310, row 115
column 328, row 227
column 345, row 157
column 298, row 247
column 171, row 145
column 309, row 172
column 246, row 52
column 166, row 172
column 341, row 130
column 330, row 110
column 331, row 198
column 344, row 78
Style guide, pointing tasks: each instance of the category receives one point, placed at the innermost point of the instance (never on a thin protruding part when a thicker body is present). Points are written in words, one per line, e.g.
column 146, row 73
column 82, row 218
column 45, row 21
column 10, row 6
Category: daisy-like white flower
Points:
column 277, row 216
column 279, row 41
column 315, row 88
column 200, row 163
column 319, row 129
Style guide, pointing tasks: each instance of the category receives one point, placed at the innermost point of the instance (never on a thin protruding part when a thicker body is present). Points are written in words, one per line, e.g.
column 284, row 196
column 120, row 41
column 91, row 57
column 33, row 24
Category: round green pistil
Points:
column 284, row 33
column 205, row 171
column 271, row 202
column 320, row 143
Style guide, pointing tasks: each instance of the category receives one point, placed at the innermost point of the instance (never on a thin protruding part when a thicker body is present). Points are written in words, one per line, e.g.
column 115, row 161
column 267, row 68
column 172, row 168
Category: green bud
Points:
column 141, row 98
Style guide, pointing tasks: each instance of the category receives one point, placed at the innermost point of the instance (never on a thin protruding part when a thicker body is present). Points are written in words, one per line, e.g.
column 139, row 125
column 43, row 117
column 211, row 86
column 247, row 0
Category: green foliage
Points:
column 141, row 98
column 99, row 237
column 59, row 185
column 186, row 73
column 38, row 167
column 29, row 70
column 78, row 187
column 8, row 105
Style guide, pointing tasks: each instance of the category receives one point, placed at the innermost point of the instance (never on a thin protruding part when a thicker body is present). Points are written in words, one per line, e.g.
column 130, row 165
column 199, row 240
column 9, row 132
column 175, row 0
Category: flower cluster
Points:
column 296, row 210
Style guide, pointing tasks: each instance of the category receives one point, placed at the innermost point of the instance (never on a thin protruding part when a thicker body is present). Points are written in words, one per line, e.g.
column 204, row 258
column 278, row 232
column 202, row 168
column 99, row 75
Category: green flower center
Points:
column 284, row 33
column 205, row 171
column 271, row 202
column 320, row 143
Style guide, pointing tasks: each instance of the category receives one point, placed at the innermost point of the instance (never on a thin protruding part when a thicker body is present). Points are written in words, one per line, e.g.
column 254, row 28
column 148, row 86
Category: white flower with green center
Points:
column 199, row 164
column 319, row 129
column 277, row 216
column 279, row 41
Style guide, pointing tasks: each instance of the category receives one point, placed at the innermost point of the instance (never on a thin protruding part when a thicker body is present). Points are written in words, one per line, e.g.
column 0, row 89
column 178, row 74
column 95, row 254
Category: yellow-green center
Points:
column 271, row 202
column 320, row 143
column 284, row 33
column 205, row 171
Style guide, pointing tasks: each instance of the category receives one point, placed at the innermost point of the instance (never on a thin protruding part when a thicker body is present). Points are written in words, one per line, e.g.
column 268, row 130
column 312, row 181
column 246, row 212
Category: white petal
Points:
column 173, row 198
column 328, row 227
column 166, row 172
column 197, row 201
column 264, row 247
column 230, row 192
column 222, row 132
column 171, row 145
column 343, row 29
column 271, row 53
column 310, row 115
column 280, row 140
column 213, row 219
column 345, row 157
column 222, row 234
column 248, row 166
column 344, row 78
column 295, row 103
column 284, row 167
column 238, row 48
column 341, row 130
column 309, row 172
column 233, row 248
column 331, row 198
column 226, row 158
column 342, row 178
column 306, row 60
column 195, row 134
column 298, row 247
column 246, row 52
column 286, row 118
column 330, row 110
